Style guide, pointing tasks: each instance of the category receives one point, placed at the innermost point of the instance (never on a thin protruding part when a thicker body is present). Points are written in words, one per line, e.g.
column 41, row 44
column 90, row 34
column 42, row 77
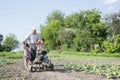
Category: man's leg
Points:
column 33, row 55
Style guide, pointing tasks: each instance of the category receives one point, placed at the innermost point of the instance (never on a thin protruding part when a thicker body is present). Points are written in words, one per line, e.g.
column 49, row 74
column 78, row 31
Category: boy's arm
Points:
column 42, row 48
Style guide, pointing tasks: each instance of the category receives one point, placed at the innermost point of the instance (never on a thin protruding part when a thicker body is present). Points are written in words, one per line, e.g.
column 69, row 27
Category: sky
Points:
column 19, row 16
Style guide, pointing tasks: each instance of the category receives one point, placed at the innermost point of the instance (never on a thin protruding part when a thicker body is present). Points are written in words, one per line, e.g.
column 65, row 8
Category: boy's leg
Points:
column 25, row 63
column 41, row 58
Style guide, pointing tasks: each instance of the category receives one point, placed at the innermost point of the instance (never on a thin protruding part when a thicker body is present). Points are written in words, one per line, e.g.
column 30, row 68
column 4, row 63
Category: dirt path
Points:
column 17, row 72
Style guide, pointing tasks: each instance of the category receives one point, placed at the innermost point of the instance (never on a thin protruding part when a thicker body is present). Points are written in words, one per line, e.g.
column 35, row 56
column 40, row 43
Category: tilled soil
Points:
column 17, row 71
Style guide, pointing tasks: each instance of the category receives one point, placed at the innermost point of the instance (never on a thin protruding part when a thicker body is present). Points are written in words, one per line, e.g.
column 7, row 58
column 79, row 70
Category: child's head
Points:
column 42, row 41
column 38, row 42
column 26, row 46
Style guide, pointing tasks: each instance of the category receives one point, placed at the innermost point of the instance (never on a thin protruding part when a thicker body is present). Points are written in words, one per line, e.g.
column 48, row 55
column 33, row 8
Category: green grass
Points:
column 92, row 54
column 67, row 55
column 110, row 71
column 117, row 55
column 5, row 61
column 11, row 55
column 76, row 56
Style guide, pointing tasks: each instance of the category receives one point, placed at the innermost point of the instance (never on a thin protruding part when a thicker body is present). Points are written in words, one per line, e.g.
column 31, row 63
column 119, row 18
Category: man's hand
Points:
column 23, row 43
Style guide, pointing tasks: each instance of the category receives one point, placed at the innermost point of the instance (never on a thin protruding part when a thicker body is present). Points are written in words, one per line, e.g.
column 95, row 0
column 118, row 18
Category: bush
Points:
column 97, row 49
column 6, row 48
column 112, row 47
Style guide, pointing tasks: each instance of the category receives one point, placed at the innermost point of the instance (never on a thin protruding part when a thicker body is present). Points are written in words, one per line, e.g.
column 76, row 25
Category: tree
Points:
column 113, row 24
column 55, row 15
column 72, row 21
column 112, row 44
column 80, row 30
column 49, row 33
column 66, row 36
column 10, row 42
column 83, row 41
column 1, row 39
column 91, row 30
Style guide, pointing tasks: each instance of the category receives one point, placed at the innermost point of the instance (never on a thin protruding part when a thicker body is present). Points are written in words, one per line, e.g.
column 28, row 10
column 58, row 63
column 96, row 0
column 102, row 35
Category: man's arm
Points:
column 26, row 38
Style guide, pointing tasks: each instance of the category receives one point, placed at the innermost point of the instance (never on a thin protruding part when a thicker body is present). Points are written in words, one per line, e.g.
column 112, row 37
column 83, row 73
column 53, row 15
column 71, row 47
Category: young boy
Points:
column 26, row 56
column 40, row 45
column 40, row 48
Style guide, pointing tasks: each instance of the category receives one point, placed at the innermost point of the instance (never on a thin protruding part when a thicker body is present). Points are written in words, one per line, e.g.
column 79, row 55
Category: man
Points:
column 32, row 39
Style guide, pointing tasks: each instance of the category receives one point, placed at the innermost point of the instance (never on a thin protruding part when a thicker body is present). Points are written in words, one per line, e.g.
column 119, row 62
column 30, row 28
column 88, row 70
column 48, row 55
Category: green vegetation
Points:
column 1, row 39
column 11, row 55
column 66, row 55
column 110, row 71
column 72, row 58
column 5, row 61
column 83, row 31
column 9, row 43
column 112, row 47
column 84, row 35
column 79, row 54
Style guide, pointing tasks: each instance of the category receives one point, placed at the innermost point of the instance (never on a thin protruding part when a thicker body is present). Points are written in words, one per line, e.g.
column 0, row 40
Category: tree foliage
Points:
column 112, row 47
column 91, row 30
column 66, row 36
column 10, row 42
column 80, row 31
column 1, row 39
column 50, row 34
column 55, row 15
column 113, row 24
column 112, row 43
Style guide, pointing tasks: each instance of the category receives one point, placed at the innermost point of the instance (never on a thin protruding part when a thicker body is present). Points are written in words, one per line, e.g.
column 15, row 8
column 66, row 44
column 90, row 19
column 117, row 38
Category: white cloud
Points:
column 110, row 1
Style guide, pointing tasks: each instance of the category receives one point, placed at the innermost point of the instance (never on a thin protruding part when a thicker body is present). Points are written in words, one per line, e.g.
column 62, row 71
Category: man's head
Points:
column 33, row 30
